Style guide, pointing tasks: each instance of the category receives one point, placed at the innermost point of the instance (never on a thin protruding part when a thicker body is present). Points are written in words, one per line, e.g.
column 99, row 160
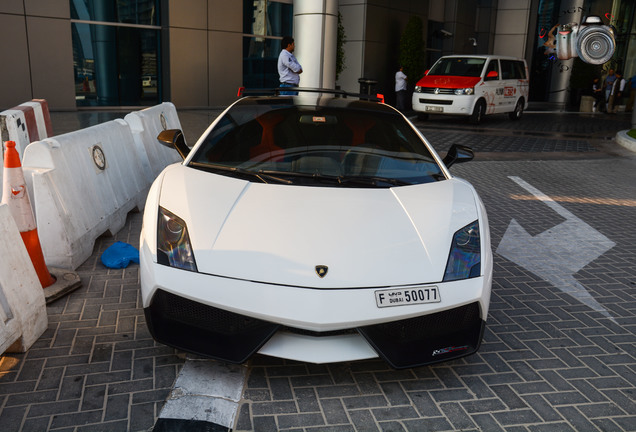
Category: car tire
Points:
column 478, row 112
column 518, row 112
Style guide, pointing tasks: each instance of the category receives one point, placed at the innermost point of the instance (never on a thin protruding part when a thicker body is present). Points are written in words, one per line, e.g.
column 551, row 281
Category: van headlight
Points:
column 173, row 242
column 464, row 260
column 465, row 91
column 418, row 89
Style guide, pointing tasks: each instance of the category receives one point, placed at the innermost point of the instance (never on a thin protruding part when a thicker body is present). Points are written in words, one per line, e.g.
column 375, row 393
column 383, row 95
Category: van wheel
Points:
column 478, row 112
column 518, row 112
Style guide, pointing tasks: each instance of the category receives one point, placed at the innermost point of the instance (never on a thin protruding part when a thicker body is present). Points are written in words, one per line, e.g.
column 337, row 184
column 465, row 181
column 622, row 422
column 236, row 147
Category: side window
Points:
column 520, row 70
column 512, row 69
column 493, row 66
column 507, row 69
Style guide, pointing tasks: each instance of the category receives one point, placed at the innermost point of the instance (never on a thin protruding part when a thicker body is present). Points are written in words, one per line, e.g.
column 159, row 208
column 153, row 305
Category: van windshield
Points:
column 458, row 66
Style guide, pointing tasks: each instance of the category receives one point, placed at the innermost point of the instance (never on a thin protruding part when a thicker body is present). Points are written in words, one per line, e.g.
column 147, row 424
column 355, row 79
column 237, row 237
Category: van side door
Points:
column 493, row 87
column 511, row 75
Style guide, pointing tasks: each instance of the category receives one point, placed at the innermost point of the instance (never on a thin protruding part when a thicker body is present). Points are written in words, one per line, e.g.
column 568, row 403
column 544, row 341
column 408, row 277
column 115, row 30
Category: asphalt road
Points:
column 559, row 351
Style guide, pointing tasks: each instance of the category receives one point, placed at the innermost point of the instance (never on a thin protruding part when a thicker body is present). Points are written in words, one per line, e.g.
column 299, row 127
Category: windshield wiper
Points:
column 260, row 175
column 373, row 180
column 359, row 180
column 269, row 176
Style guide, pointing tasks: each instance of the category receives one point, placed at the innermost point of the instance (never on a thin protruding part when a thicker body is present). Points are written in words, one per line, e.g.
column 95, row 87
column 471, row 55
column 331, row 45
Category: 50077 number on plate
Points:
column 407, row 296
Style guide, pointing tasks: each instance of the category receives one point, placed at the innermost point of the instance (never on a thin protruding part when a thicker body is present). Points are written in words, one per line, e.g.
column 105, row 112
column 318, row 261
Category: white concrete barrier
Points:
column 82, row 185
column 146, row 125
column 23, row 124
column 23, row 316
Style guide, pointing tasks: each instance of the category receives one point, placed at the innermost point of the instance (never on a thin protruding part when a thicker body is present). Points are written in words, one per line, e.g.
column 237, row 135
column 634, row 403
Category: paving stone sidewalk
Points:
column 548, row 363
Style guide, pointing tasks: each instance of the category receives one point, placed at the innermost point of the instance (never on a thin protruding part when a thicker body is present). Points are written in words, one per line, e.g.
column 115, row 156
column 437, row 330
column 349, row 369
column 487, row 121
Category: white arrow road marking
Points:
column 206, row 390
column 558, row 253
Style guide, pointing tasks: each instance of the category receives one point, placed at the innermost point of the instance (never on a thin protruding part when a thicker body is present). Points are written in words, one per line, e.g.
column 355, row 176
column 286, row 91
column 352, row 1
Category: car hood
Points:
column 452, row 82
column 278, row 234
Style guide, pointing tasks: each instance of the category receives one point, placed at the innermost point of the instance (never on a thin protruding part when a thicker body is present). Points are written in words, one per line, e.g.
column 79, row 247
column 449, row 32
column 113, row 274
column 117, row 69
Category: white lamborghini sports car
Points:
column 319, row 229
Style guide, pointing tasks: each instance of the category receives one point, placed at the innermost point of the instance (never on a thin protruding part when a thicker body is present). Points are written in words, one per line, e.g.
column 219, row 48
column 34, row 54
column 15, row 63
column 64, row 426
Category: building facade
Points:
column 82, row 54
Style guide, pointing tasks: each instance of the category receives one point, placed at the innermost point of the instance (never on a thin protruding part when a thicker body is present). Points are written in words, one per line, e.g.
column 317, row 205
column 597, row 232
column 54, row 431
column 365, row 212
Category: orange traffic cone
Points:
column 16, row 196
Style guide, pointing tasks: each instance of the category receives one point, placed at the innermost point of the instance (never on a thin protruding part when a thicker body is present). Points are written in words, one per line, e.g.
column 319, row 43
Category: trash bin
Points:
column 587, row 102
column 367, row 86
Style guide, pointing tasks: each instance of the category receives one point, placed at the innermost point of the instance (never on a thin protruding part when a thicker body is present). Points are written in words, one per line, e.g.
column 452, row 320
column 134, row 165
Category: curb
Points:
column 626, row 141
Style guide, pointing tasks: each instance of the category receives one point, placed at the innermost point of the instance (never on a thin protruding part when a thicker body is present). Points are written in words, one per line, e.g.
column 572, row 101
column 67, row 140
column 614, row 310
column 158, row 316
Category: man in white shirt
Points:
column 400, row 90
column 616, row 94
column 289, row 69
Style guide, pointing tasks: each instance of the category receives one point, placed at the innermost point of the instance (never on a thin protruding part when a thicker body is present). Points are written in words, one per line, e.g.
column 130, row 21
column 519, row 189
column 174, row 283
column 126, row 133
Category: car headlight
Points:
column 464, row 260
column 173, row 243
column 465, row 91
column 418, row 89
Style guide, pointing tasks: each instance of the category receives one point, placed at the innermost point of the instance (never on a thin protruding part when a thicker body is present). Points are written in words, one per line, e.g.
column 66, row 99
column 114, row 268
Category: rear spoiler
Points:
column 242, row 91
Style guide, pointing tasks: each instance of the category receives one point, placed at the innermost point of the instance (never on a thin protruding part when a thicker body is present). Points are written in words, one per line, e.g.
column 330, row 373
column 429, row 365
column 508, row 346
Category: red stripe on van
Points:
column 452, row 82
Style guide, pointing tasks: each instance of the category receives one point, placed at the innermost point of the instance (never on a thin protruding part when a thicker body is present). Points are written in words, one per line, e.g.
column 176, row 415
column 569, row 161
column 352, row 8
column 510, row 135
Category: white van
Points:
column 474, row 85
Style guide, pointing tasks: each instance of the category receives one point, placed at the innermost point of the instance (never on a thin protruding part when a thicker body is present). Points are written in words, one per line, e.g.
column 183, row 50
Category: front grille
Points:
column 436, row 101
column 319, row 334
column 205, row 330
column 435, row 90
column 190, row 313
column 426, row 339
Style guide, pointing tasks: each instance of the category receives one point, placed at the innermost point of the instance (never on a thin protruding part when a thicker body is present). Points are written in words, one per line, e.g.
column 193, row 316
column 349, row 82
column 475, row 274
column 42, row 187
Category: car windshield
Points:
column 458, row 66
column 341, row 144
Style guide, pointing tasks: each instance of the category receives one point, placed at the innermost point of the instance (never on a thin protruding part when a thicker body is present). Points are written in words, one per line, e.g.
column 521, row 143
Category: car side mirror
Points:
column 492, row 75
column 174, row 138
column 458, row 154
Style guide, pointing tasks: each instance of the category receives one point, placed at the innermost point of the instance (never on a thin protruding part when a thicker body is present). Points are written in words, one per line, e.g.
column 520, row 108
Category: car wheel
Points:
column 478, row 112
column 518, row 112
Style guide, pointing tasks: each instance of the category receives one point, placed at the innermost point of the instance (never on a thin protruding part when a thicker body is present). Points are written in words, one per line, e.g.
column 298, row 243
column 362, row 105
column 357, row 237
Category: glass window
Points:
column 266, row 22
column 493, row 66
column 338, row 144
column 280, row 19
column 512, row 69
column 115, row 66
column 260, row 60
column 143, row 12
column 458, row 66
column 267, row 18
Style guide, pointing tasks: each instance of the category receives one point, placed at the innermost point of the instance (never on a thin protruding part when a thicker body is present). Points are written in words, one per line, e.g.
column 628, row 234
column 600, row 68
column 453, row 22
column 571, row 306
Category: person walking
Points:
column 289, row 69
column 616, row 93
column 632, row 94
column 400, row 90
column 607, row 85
column 599, row 98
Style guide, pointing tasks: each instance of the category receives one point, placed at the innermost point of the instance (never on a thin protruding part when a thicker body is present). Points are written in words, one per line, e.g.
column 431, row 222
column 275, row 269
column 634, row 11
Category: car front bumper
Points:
column 443, row 104
column 230, row 319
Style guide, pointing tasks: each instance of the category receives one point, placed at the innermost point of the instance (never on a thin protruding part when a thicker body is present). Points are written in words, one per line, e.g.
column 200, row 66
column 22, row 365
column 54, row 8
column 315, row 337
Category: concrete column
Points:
column 315, row 34
column 572, row 11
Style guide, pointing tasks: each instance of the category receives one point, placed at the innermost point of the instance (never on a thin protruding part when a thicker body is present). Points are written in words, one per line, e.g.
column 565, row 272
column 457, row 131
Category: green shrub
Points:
column 411, row 51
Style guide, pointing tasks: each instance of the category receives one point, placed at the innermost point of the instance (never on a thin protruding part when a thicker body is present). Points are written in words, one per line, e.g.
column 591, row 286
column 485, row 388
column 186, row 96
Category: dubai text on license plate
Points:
column 407, row 296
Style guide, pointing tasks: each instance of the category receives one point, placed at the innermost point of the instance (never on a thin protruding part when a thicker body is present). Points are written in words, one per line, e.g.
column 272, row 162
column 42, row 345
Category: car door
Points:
column 493, row 87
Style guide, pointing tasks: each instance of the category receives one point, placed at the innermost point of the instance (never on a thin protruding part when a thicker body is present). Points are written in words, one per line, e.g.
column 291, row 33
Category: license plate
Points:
column 434, row 108
column 407, row 296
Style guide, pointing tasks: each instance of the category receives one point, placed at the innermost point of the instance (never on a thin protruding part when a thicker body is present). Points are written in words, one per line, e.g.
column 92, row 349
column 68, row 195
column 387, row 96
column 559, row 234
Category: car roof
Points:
column 483, row 56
